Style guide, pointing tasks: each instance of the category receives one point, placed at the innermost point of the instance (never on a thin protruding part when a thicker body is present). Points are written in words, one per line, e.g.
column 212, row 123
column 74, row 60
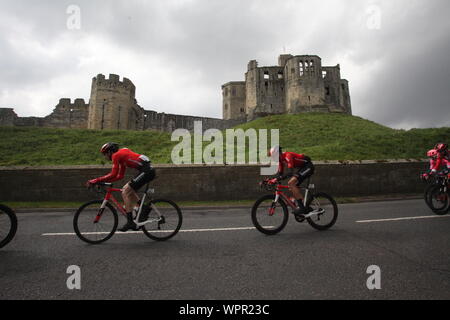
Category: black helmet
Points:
column 110, row 146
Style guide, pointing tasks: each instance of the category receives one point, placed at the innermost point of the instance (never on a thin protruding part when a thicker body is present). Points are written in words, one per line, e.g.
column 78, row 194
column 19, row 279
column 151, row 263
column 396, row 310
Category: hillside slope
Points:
column 322, row 136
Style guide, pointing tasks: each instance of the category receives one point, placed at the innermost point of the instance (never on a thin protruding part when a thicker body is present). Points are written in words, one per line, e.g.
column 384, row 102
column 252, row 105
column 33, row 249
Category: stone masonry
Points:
column 112, row 106
column 298, row 84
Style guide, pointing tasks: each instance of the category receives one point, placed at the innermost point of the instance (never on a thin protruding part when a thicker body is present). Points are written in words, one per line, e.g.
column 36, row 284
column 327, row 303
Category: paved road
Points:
column 299, row 263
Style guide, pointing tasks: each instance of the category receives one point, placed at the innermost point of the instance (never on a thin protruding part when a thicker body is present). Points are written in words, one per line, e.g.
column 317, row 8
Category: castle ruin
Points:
column 298, row 84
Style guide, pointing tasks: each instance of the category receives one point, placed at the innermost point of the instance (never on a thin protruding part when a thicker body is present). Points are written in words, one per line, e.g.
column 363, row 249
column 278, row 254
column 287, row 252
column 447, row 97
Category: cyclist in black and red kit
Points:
column 300, row 167
column 123, row 158
column 439, row 160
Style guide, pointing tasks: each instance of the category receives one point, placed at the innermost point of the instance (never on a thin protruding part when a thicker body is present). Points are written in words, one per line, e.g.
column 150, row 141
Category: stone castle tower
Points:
column 113, row 105
column 298, row 84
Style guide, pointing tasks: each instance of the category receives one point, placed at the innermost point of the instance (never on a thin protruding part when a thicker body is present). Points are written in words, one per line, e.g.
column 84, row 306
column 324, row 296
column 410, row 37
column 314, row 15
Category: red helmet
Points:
column 432, row 153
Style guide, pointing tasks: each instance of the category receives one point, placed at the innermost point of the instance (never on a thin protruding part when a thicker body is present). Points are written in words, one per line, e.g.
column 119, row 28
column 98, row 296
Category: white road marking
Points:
column 159, row 231
column 403, row 218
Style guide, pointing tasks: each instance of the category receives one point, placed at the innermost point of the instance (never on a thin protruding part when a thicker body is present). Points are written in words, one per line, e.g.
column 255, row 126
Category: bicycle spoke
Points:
column 95, row 232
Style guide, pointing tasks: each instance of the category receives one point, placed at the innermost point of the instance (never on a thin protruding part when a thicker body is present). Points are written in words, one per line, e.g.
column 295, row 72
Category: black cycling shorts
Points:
column 144, row 176
column 304, row 173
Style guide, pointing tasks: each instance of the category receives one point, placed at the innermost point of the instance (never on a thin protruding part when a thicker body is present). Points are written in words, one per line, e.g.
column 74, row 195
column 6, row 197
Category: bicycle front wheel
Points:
column 438, row 200
column 164, row 220
column 94, row 225
column 325, row 211
column 268, row 216
column 8, row 225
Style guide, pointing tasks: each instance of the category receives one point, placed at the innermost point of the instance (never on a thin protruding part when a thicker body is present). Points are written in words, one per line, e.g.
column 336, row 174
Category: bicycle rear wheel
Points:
column 93, row 224
column 8, row 225
column 326, row 209
column 439, row 200
column 164, row 220
column 268, row 216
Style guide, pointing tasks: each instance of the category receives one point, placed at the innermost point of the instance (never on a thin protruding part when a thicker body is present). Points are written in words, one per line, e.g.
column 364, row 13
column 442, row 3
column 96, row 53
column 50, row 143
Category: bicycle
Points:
column 96, row 221
column 270, row 213
column 437, row 194
column 8, row 225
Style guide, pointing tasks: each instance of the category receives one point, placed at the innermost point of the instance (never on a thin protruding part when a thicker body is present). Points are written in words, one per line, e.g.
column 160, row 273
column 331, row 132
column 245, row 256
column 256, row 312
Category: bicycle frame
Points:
column 109, row 197
column 279, row 193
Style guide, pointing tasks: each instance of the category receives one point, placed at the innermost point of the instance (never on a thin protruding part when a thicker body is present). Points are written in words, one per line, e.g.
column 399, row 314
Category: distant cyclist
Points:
column 123, row 158
column 439, row 160
column 297, row 167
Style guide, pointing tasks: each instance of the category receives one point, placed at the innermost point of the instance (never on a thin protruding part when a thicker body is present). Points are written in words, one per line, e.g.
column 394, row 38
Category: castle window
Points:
column 266, row 75
column 280, row 75
column 233, row 92
column 311, row 64
column 324, row 74
column 242, row 110
column 292, row 71
column 302, row 71
column 343, row 87
column 327, row 89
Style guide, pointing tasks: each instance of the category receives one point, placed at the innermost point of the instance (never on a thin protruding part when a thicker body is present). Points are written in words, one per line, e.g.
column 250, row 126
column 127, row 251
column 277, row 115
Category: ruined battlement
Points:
column 113, row 82
column 297, row 84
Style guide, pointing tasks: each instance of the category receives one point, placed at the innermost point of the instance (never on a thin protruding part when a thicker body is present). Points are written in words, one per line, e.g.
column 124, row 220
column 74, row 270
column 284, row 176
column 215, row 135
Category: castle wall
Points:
column 68, row 115
column 265, row 89
column 7, row 117
column 252, row 84
column 234, row 100
column 304, row 84
column 346, row 102
column 169, row 122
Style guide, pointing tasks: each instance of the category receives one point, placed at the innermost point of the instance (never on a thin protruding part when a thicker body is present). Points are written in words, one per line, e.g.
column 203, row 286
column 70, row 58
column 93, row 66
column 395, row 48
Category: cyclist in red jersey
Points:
column 297, row 167
column 439, row 157
column 123, row 158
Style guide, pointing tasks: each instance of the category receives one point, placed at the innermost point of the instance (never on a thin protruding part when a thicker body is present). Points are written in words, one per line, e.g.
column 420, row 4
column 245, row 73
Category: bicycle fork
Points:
column 100, row 211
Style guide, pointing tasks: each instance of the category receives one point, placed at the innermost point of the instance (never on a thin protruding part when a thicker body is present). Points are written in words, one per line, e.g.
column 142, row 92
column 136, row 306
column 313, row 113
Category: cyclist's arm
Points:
column 116, row 173
column 434, row 167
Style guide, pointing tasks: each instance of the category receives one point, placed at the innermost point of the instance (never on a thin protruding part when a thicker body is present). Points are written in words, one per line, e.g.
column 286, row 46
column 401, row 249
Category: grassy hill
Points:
column 322, row 136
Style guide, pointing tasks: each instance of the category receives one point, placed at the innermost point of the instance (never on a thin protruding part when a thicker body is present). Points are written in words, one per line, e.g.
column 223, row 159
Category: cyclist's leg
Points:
column 303, row 174
column 137, row 183
column 130, row 197
column 294, row 187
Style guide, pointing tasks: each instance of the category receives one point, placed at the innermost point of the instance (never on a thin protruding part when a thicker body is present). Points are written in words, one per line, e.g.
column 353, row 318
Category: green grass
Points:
column 344, row 137
column 47, row 146
column 321, row 136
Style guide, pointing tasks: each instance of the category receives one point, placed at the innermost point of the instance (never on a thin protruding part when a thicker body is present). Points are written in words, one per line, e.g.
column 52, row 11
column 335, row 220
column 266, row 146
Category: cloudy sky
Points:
column 178, row 53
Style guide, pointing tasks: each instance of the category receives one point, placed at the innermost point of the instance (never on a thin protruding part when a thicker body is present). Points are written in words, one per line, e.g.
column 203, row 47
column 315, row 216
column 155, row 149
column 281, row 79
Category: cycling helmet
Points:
column 275, row 149
column 110, row 146
column 432, row 153
column 441, row 147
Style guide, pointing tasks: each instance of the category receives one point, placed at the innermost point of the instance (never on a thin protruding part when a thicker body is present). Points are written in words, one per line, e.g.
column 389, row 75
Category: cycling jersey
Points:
column 292, row 160
column 441, row 160
column 121, row 160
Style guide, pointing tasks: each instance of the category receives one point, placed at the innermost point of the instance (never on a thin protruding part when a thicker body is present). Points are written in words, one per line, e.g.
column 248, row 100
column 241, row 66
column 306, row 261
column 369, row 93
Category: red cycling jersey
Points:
column 441, row 160
column 121, row 160
column 292, row 160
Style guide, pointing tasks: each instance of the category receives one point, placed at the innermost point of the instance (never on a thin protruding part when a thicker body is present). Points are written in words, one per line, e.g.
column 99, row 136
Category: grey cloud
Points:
column 215, row 39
